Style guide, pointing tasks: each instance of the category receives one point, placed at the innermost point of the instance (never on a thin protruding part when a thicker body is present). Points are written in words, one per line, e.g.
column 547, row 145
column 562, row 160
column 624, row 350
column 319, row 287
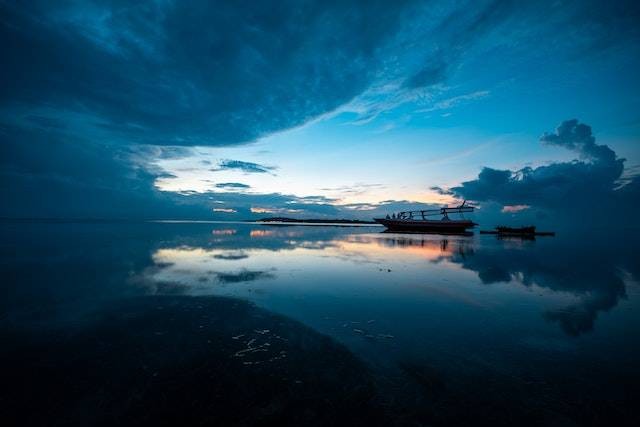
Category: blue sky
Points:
column 216, row 110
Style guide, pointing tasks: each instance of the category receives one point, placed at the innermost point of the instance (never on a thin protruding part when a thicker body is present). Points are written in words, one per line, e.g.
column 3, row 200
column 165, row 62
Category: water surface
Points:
column 248, row 323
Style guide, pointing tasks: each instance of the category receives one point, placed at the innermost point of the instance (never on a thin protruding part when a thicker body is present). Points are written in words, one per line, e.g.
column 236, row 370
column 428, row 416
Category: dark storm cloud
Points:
column 577, row 28
column 202, row 72
column 43, row 174
column 598, row 26
column 462, row 28
column 93, row 90
column 590, row 185
column 247, row 167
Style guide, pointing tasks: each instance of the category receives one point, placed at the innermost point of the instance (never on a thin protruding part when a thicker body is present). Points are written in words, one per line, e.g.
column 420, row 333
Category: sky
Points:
column 229, row 110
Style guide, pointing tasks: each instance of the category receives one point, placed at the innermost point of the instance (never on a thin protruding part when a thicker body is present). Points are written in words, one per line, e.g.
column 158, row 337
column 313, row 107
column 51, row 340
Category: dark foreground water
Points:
column 243, row 324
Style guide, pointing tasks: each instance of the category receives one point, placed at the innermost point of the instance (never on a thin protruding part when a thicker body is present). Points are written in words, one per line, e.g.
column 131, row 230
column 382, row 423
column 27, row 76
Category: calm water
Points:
column 224, row 323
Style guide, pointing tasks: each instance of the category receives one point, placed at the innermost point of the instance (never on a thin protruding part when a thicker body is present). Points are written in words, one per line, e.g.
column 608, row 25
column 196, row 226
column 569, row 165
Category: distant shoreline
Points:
column 285, row 220
column 263, row 221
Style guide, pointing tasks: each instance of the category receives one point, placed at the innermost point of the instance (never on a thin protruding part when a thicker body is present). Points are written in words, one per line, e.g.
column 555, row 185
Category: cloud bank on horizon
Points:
column 99, row 95
column 590, row 187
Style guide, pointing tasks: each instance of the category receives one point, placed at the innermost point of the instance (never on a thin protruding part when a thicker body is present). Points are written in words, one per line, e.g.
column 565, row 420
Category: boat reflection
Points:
column 586, row 287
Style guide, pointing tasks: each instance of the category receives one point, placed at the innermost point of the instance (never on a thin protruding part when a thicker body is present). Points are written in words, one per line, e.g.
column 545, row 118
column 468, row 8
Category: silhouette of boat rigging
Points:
column 418, row 220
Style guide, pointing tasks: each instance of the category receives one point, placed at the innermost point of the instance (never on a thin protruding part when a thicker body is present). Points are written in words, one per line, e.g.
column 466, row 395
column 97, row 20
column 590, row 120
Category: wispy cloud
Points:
column 449, row 103
column 514, row 208
column 247, row 167
column 275, row 210
column 355, row 189
column 233, row 185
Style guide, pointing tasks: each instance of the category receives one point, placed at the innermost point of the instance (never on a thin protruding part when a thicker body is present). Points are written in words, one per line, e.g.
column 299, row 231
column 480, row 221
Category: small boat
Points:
column 418, row 220
column 501, row 229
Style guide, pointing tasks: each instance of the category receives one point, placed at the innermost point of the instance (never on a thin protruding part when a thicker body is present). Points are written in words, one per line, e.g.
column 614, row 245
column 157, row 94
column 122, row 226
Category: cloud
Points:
column 515, row 208
column 150, row 79
column 243, row 276
column 274, row 210
column 429, row 75
column 578, row 137
column 363, row 207
column 580, row 318
column 441, row 191
column 313, row 200
column 462, row 27
column 203, row 73
column 432, row 49
column 231, row 256
column 596, row 287
column 597, row 27
column 448, row 103
column 473, row 32
column 255, row 205
column 247, row 167
column 581, row 187
column 44, row 174
column 233, row 185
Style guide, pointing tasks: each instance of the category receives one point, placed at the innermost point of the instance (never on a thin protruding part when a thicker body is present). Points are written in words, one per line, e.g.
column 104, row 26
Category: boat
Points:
column 501, row 229
column 418, row 221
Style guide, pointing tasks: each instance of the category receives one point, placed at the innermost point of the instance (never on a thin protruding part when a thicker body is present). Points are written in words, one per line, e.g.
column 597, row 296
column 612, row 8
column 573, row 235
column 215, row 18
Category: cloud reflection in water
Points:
column 321, row 261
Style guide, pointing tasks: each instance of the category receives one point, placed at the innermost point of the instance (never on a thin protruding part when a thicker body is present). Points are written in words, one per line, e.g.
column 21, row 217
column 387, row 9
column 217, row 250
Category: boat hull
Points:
column 441, row 226
column 516, row 230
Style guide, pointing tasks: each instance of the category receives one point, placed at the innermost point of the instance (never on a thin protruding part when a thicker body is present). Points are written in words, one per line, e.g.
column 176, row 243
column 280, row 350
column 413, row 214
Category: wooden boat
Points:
column 418, row 220
column 531, row 229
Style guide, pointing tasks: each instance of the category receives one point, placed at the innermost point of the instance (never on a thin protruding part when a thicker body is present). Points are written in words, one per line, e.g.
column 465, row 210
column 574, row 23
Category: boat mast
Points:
column 432, row 212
